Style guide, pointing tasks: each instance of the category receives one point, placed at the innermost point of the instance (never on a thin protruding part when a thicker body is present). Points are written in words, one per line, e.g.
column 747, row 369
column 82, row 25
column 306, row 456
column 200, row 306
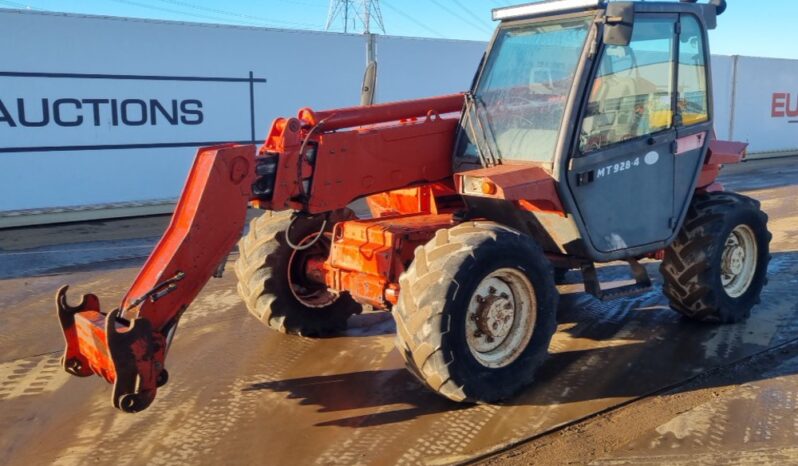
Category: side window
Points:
column 633, row 90
column 692, row 101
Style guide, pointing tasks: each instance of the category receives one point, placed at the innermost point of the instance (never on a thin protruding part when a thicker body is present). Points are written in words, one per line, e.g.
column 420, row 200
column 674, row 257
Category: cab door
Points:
column 693, row 104
column 621, row 172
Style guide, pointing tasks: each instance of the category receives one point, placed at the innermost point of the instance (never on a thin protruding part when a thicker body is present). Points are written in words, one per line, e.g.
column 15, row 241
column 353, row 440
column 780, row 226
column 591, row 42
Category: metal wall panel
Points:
column 111, row 105
column 113, row 161
column 766, row 105
column 722, row 94
column 104, row 112
column 410, row 68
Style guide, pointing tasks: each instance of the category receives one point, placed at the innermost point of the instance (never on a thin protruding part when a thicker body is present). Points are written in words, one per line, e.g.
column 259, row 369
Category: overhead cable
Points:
column 411, row 19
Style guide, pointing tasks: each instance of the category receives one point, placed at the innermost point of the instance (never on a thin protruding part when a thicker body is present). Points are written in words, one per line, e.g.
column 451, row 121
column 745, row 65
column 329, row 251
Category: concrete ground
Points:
column 627, row 382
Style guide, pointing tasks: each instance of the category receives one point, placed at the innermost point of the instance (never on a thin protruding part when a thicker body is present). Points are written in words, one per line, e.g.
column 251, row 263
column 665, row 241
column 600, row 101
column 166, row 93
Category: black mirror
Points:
column 720, row 6
column 619, row 22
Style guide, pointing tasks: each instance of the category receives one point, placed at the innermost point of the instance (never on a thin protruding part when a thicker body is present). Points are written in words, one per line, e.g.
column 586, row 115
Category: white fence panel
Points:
column 766, row 104
column 411, row 68
column 110, row 111
column 722, row 94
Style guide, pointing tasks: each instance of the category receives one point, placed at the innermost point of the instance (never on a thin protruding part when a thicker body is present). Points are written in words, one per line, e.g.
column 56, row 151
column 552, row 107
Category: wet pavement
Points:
column 753, row 423
column 241, row 394
column 742, row 413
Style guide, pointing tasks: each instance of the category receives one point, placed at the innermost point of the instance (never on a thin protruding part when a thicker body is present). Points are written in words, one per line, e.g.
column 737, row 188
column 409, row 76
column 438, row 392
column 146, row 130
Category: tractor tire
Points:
column 268, row 276
column 717, row 267
column 453, row 326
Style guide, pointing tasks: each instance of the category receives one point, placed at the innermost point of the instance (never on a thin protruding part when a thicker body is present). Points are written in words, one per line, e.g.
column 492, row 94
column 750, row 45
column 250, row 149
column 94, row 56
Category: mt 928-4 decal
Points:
column 649, row 159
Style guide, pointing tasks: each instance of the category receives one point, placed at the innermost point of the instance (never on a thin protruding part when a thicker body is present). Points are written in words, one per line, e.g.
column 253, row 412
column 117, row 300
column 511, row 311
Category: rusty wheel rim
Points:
column 739, row 260
column 500, row 318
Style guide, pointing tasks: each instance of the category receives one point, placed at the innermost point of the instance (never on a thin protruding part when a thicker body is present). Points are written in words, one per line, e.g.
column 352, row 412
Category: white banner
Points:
column 766, row 104
column 65, row 112
column 97, row 110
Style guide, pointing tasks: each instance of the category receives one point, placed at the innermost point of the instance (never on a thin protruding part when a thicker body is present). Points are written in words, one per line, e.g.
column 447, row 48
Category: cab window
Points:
column 632, row 94
column 692, row 101
column 524, row 87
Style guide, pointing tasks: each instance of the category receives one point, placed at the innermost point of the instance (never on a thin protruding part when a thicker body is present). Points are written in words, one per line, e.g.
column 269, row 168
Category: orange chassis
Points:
column 398, row 156
column 368, row 256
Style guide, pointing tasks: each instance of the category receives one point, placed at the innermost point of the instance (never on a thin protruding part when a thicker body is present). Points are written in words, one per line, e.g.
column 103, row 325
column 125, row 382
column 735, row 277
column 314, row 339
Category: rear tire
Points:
column 717, row 267
column 476, row 312
column 265, row 268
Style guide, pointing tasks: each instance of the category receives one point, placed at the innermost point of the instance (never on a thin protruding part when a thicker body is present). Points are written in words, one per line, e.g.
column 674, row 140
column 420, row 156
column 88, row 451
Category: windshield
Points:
column 521, row 95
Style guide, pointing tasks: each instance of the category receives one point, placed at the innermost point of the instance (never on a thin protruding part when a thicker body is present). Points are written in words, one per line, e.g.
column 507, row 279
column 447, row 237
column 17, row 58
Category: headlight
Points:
column 479, row 186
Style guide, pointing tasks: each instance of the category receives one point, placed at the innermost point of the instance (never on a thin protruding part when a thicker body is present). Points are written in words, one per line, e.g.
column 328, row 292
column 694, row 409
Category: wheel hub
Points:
column 495, row 315
column 738, row 262
column 734, row 261
column 500, row 318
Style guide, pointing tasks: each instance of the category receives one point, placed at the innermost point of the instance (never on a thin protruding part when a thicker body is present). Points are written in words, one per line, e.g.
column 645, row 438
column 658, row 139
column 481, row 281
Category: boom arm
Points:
column 307, row 164
column 128, row 345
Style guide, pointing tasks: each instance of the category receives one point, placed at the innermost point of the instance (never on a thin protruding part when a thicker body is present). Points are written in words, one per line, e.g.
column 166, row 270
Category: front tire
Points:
column 476, row 312
column 717, row 267
column 271, row 275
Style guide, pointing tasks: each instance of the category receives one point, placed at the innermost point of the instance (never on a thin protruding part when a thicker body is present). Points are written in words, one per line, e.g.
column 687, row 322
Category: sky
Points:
column 765, row 28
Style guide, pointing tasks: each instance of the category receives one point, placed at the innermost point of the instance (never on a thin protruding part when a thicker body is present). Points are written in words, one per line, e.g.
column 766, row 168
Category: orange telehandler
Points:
column 586, row 137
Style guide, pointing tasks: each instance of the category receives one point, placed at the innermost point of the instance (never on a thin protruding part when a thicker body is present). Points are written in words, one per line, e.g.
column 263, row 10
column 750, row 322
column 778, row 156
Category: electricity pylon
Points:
column 356, row 14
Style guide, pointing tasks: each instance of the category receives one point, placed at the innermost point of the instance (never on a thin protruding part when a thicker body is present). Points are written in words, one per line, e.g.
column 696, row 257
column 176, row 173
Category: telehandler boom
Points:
column 586, row 137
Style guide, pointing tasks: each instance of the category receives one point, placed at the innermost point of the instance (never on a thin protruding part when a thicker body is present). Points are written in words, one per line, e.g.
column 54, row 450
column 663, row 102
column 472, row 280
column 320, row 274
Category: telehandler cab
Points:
column 586, row 137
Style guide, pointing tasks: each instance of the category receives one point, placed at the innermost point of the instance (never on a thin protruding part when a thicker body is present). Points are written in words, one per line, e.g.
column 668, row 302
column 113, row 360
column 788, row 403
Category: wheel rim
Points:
column 501, row 318
column 307, row 292
column 738, row 263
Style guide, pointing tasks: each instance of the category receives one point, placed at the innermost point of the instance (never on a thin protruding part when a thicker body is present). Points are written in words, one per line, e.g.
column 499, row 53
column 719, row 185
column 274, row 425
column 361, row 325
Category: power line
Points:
column 235, row 14
column 459, row 16
column 368, row 13
column 21, row 6
column 477, row 18
column 214, row 18
column 411, row 19
column 169, row 10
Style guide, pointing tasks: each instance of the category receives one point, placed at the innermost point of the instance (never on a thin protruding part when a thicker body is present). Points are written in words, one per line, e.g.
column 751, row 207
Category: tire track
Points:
column 450, row 434
column 359, row 446
column 31, row 376
column 198, row 437
column 364, row 441
column 184, row 424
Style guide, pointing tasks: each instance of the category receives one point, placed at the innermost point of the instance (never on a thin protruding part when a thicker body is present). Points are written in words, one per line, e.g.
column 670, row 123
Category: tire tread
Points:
column 687, row 268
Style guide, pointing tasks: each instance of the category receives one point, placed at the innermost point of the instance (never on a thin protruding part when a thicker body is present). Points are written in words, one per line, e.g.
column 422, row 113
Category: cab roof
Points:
column 707, row 11
column 547, row 7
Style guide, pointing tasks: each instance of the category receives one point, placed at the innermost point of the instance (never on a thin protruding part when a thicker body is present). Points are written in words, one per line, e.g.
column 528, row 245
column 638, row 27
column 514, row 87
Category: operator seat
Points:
column 623, row 105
